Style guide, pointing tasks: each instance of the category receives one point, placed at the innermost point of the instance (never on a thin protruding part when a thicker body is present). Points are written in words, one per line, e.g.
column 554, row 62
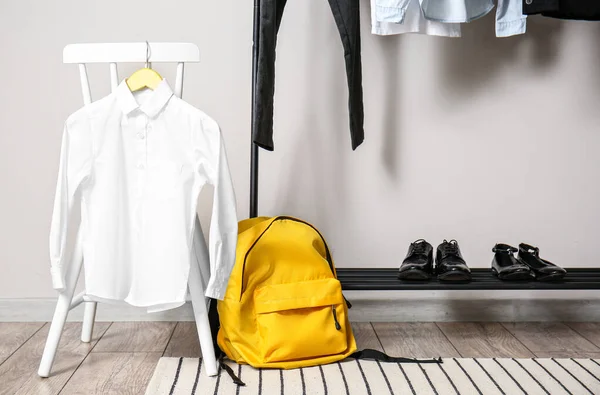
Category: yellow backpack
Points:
column 284, row 306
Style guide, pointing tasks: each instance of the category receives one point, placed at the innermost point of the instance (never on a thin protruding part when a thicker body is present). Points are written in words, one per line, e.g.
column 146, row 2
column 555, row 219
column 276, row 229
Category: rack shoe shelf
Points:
column 482, row 279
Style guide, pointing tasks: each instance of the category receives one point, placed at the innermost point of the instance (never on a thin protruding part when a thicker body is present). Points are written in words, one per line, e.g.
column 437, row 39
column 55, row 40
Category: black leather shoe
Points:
column 544, row 270
column 449, row 263
column 418, row 264
column 506, row 266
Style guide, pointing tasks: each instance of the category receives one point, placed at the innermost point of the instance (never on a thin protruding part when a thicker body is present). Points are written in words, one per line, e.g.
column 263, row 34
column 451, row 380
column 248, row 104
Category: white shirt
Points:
column 139, row 163
column 413, row 21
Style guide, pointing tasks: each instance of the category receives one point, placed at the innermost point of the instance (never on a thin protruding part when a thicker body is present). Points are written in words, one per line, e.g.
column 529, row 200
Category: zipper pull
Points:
column 337, row 324
column 347, row 302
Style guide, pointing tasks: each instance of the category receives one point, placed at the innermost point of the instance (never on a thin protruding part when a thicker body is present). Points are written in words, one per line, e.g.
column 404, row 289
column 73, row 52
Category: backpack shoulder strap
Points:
column 367, row 354
column 376, row 355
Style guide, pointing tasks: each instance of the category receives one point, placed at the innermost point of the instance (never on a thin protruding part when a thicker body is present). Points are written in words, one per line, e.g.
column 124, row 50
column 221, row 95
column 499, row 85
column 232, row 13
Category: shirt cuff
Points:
column 389, row 14
column 225, row 262
column 216, row 288
column 58, row 281
column 512, row 28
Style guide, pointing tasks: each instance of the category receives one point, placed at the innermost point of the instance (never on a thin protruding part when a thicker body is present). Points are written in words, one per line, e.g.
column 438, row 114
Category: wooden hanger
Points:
column 145, row 77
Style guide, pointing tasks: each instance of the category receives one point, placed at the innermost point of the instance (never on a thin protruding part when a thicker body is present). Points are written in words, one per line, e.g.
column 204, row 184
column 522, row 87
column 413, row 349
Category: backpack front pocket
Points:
column 301, row 320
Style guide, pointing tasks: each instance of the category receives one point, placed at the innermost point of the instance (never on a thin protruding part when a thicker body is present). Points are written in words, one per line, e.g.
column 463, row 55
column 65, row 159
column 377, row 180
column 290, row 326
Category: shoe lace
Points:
column 450, row 248
column 419, row 247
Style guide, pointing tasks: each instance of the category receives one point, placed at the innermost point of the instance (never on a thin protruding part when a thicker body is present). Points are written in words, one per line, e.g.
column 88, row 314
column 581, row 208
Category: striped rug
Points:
column 350, row 377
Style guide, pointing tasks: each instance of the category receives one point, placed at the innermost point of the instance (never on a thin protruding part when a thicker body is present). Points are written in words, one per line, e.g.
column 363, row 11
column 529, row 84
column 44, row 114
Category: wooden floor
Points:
column 122, row 356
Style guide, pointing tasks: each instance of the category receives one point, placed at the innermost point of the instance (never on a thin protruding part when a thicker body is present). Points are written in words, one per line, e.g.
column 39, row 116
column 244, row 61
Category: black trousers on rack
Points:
column 346, row 14
column 564, row 9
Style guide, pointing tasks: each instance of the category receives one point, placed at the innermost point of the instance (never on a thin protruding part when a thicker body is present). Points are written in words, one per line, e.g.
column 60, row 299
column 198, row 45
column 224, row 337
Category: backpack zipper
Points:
column 337, row 324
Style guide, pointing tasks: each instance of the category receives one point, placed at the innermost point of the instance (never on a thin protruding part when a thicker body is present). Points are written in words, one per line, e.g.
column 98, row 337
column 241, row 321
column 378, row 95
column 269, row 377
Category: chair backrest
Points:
column 113, row 53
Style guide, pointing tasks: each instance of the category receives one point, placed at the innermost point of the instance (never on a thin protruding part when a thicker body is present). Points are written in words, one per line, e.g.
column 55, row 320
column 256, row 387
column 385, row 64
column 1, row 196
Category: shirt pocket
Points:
column 164, row 179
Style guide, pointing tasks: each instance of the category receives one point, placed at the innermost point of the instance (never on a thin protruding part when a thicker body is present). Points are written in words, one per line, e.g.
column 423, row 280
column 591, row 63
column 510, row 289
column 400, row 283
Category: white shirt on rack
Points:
column 138, row 164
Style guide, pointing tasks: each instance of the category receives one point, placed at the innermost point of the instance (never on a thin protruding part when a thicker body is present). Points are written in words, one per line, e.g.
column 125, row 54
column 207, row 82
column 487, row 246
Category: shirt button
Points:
column 528, row 2
column 141, row 166
column 141, row 136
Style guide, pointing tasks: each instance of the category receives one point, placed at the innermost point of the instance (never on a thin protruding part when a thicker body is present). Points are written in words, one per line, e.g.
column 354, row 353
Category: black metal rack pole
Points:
column 254, row 147
column 213, row 315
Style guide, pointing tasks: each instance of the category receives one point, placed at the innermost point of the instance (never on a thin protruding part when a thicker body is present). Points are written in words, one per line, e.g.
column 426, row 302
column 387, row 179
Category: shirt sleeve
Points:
column 74, row 168
column 510, row 20
column 223, row 227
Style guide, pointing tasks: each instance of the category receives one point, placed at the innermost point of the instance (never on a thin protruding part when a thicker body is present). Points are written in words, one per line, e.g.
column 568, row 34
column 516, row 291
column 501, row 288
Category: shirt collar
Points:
column 151, row 107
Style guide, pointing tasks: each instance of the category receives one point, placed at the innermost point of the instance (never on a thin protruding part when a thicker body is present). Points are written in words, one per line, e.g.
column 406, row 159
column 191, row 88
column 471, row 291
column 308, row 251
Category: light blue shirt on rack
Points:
column 509, row 13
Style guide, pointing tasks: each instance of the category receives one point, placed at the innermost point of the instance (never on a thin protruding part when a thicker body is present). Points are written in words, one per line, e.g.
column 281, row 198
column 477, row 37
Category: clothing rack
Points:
column 385, row 279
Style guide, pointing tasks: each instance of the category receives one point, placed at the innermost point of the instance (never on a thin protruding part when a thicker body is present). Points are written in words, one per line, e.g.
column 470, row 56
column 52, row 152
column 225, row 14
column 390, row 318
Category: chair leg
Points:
column 62, row 310
column 201, row 316
column 89, row 316
column 56, row 328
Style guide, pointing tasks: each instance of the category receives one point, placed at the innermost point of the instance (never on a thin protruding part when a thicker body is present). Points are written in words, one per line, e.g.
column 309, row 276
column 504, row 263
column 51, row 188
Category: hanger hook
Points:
column 147, row 54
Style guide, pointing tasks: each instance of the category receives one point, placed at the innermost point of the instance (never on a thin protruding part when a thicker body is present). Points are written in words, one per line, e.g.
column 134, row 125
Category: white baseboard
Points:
column 365, row 307
column 27, row 310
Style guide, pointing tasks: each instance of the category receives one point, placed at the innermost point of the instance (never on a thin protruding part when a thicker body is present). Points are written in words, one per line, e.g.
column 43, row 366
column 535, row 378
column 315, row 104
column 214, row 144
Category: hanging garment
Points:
column 456, row 11
column 414, row 22
column 531, row 7
column 448, row 11
column 564, row 9
column 347, row 18
column 509, row 14
column 510, row 20
column 139, row 163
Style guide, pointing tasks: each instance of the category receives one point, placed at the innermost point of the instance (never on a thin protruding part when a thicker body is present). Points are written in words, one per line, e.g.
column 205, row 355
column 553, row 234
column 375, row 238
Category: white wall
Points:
column 480, row 139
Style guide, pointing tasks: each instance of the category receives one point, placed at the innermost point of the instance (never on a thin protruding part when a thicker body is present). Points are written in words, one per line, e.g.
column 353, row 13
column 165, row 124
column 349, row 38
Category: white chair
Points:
column 112, row 54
